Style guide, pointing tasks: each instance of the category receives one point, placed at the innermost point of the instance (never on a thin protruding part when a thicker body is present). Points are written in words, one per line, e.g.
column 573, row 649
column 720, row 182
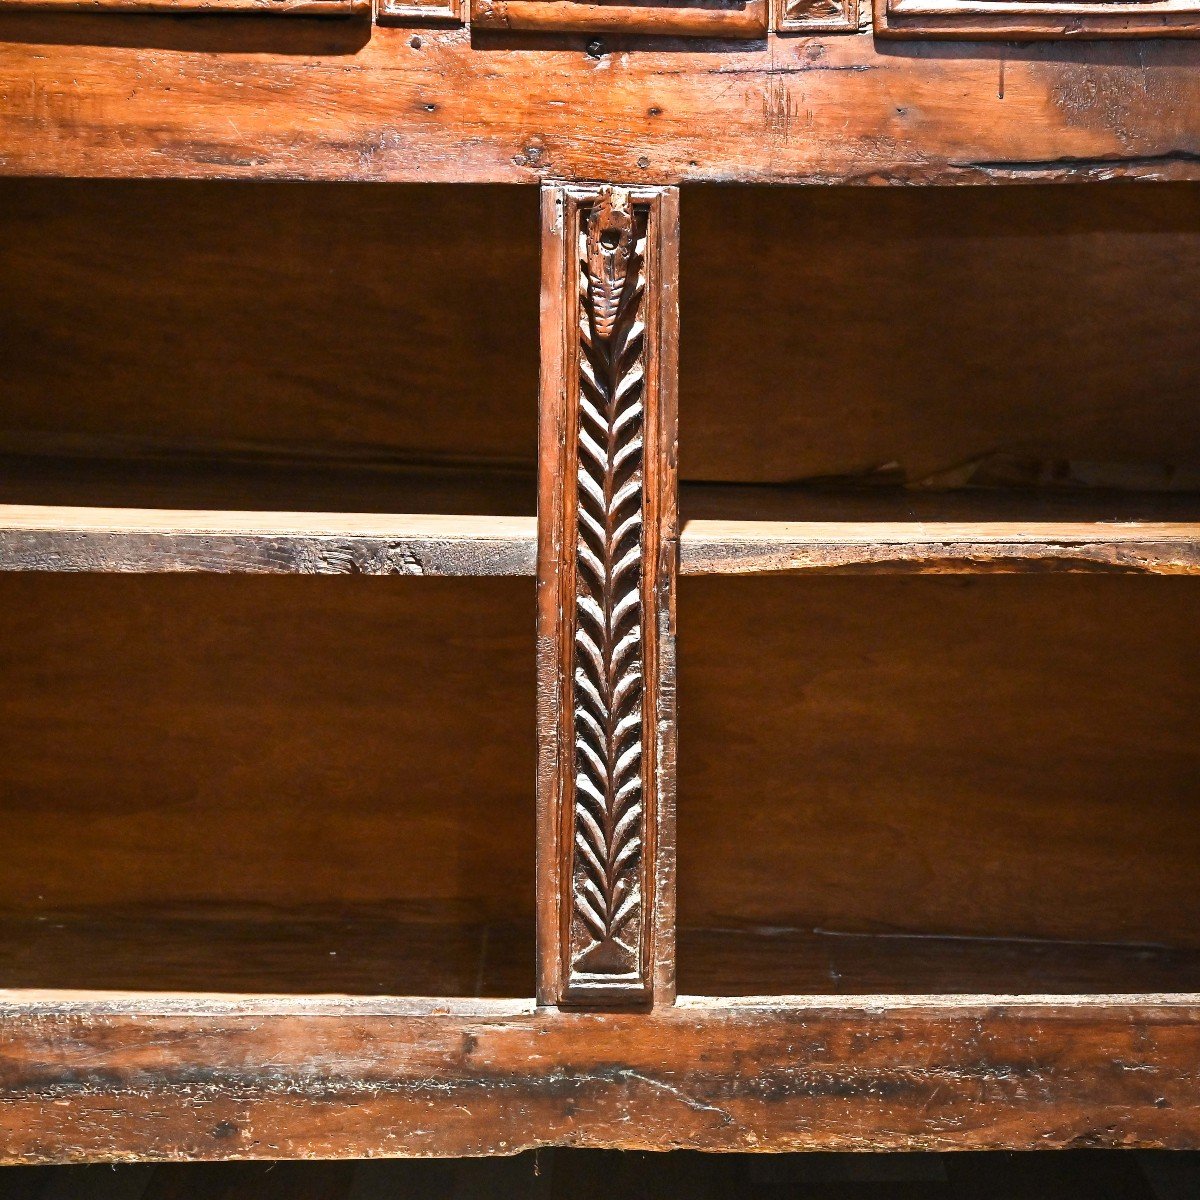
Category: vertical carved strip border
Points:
column 608, row 547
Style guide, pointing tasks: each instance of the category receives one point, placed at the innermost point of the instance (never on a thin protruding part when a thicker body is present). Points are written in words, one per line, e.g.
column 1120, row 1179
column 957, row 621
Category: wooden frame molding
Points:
column 260, row 8
column 815, row 16
column 677, row 18
column 420, row 12
column 97, row 1077
column 980, row 19
column 608, row 546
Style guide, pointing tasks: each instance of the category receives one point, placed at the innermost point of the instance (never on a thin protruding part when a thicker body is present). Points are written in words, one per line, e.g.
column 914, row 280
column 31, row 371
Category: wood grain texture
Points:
column 815, row 16
column 282, row 8
column 1008, row 756
column 155, row 540
column 177, row 739
column 768, row 547
column 607, row 552
column 981, row 19
column 817, row 362
column 420, row 12
column 747, row 959
column 186, row 336
column 168, row 1078
column 679, row 18
column 86, row 98
column 433, row 948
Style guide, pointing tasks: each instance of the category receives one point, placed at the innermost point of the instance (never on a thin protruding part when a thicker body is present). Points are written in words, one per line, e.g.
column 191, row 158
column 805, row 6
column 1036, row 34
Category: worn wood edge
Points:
column 49, row 538
column 397, row 12
column 213, row 1078
column 766, row 547
column 283, row 8
column 980, row 21
column 566, row 15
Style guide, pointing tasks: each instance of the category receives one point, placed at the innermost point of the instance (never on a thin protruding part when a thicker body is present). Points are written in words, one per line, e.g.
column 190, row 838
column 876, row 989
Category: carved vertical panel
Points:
column 607, row 552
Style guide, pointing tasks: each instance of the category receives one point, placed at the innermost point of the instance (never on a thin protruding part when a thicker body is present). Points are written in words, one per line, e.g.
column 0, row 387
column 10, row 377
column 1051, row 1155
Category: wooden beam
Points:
column 939, row 548
column 93, row 95
column 608, row 547
column 48, row 538
column 109, row 1077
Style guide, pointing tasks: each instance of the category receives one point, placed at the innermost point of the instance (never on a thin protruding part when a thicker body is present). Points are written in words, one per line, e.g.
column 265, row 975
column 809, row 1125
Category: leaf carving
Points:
column 608, row 661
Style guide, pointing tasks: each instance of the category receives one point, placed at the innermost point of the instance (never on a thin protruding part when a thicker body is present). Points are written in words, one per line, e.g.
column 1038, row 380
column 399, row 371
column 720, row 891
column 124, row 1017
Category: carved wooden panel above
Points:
column 815, row 16
column 675, row 18
column 979, row 19
column 281, row 8
column 608, row 547
column 420, row 12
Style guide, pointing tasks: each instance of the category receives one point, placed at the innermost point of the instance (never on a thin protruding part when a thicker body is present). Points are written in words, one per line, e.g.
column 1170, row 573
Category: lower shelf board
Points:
column 107, row 1077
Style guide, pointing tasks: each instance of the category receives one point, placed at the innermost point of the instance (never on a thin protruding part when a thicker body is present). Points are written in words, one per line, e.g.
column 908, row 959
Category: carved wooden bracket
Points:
column 1008, row 19
column 675, row 18
column 607, row 552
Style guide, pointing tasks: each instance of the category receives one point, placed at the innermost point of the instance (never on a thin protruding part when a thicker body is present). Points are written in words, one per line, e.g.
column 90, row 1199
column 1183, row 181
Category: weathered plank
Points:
column 118, row 1077
column 769, row 547
column 83, row 95
column 48, row 538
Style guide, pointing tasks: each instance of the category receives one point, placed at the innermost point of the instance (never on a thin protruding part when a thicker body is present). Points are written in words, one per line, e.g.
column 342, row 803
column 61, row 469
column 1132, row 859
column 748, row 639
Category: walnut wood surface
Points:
column 49, row 538
column 342, row 101
column 162, row 1078
column 1036, row 19
column 607, row 559
column 268, row 741
column 742, row 959
column 1002, row 756
column 728, row 19
column 768, row 547
column 402, row 948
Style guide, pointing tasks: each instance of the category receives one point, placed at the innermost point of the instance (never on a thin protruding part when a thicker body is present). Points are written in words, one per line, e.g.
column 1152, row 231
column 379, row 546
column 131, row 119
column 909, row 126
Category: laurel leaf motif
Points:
column 608, row 670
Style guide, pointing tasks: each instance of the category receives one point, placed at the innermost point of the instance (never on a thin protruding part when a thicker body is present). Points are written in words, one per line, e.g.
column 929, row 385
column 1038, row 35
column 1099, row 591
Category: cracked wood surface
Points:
column 48, row 538
column 104, row 1077
column 86, row 95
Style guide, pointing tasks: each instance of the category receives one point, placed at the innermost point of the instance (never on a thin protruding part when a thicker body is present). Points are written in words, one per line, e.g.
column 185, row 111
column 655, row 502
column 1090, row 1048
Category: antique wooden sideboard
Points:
column 351, row 499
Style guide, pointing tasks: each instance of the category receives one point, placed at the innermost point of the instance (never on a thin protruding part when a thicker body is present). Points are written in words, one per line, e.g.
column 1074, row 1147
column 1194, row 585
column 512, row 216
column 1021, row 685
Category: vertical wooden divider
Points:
column 607, row 553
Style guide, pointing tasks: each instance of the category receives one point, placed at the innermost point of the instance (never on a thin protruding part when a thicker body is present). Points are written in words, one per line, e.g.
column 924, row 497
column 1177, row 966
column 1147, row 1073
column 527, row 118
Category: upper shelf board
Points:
column 34, row 538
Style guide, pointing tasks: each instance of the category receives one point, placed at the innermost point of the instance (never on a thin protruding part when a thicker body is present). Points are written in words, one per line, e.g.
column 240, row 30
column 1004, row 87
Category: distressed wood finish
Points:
column 1009, row 19
column 263, row 543
column 197, row 101
column 420, row 12
column 608, row 549
column 815, row 16
column 769, row 547
column 675, row 18
column 211, row 8
column 112, row 1077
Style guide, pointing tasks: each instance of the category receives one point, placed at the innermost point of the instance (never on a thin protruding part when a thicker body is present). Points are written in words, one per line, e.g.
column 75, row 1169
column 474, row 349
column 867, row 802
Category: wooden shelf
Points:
column 350, row 949
column 748, row 530
column 110, row 1076
column 145, row 540
column 68, row 538
column 813, row 547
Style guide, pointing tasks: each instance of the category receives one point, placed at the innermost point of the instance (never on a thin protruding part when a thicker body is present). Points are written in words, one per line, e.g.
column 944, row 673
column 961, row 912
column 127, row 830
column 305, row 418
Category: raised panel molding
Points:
column 260, row 8
column 983, row 19
column 815, row 16
column 675, row 18
column 607, row 553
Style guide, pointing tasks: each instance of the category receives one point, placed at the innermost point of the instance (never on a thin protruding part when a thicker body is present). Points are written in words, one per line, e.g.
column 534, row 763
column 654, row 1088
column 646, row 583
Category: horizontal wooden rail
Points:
column 167, row 540
column 152, row 540
column 768, row 547
column 107, row 1077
